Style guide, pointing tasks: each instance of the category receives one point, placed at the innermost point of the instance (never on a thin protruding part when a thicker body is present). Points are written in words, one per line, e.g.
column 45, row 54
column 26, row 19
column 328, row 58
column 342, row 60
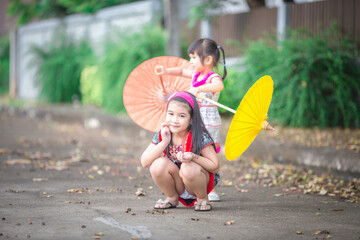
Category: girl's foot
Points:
column 161, row 204
column 213, row 197
column 203, row 206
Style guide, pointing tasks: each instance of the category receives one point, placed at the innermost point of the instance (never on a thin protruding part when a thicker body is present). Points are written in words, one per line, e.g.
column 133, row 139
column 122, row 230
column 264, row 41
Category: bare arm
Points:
column 151, row 153
column 216, row 85
column 176, row 71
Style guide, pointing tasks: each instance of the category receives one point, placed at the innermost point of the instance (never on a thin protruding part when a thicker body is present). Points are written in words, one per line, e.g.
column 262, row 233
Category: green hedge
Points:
column 121, row 57
column 60, row 64
column 316, row 79
column 67, row 68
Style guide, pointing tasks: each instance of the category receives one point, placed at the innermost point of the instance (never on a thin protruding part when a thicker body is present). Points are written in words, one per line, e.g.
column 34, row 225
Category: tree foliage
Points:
column 42, row 9
column 206, row 10
column 316, row 79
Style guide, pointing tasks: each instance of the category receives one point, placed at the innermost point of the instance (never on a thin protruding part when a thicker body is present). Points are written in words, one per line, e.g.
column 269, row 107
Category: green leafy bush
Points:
column 316, row 78
column 121, row 57
column 234, row 90
column 59, row 67
column 25, row 11
column 4, row 64
column 90, row 86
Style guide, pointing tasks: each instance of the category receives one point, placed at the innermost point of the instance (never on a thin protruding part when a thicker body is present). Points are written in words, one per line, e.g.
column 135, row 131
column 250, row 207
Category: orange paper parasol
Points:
column 145, row 93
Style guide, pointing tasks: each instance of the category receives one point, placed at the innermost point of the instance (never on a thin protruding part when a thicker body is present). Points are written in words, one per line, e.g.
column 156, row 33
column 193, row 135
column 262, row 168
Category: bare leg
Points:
column 166, row 176
column 196, row 180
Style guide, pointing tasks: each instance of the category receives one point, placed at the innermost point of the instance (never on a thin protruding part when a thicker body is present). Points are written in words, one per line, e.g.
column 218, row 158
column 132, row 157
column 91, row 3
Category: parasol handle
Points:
column 267, row 126
column 162, row 85
column 215, row 103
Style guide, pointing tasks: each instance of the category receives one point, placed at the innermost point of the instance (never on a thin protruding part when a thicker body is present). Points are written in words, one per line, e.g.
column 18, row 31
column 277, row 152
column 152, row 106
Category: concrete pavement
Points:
column 73, row 173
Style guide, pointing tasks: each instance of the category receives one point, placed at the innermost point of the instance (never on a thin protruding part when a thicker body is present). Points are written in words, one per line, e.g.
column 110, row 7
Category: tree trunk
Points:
column 171, row 13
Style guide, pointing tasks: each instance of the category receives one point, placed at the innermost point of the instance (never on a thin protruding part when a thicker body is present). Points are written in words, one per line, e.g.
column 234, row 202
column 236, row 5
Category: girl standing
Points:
column 182, row 157
column 204, row 57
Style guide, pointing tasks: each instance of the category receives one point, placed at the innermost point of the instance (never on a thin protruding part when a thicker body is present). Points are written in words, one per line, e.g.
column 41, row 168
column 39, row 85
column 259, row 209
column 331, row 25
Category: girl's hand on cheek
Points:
column 165, row 132
column 164, row 124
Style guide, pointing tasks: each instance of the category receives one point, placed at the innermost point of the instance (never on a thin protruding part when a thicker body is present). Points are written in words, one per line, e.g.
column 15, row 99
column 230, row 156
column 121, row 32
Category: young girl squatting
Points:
column 182, row 157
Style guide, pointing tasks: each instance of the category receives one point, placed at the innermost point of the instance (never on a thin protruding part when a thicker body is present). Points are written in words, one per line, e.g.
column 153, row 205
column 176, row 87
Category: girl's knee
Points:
column 160, row 165
column 190, row 171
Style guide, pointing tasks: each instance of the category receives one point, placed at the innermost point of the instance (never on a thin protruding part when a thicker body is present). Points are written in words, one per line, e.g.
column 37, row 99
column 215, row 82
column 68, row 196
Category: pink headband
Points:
column 183, row 95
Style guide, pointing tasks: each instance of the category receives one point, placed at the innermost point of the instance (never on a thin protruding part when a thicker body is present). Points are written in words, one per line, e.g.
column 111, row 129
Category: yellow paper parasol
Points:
column 250, row 118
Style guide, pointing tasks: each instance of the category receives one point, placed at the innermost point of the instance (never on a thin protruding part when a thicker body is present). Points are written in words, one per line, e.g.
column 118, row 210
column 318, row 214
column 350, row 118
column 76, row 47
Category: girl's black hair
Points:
column 197, row 126
column 207, row 47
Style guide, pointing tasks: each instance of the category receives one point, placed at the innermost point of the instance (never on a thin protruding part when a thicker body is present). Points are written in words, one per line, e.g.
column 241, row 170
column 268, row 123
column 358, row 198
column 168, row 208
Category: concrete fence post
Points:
column 283, row 20
column 205, row 29
column 13, row 59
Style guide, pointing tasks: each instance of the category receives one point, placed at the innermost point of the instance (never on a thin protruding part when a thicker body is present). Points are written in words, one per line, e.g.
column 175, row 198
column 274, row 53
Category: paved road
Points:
column 64, row 176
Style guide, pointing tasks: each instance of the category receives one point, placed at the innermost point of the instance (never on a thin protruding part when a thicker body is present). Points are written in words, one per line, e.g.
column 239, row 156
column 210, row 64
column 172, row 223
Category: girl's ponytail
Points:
column 225, row 72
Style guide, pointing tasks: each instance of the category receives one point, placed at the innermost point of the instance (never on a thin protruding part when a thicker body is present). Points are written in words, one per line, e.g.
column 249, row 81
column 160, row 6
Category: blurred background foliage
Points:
column 25, row 11
column 316, row 79
column 69, row 70
column 60, row 64
column 120, row 57
column 4, row 64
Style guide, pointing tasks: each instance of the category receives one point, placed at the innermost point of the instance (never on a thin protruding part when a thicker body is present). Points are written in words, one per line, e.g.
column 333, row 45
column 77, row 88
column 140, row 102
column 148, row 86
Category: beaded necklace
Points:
column 195, row 83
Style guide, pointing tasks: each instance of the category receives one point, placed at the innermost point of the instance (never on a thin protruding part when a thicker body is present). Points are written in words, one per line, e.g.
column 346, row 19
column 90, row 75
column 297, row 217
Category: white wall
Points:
column 96, row 27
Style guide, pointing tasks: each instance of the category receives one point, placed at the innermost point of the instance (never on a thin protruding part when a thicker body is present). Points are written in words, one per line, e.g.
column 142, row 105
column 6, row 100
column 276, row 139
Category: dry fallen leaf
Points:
column 18, row 162
column 140, row 192
column 82, row 190
column 57, row 168
column 323, row 192
column 5, row 151
column 231, row 222
column 159, row 211
column 278, row 194
column 322, row 232
column 13, row 191
column 39, row 179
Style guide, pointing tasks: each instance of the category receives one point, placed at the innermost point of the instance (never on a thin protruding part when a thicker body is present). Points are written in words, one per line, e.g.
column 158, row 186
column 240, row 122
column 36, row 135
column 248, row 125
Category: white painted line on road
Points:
column 136, row 231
